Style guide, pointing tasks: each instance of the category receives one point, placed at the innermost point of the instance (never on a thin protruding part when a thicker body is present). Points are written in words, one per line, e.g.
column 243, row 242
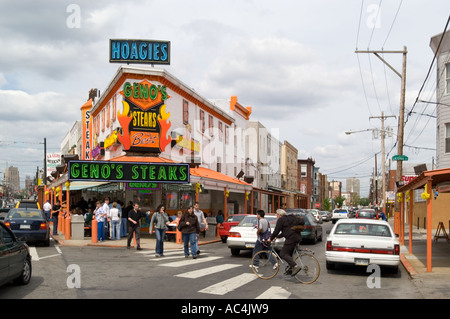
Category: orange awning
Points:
column 215, row 180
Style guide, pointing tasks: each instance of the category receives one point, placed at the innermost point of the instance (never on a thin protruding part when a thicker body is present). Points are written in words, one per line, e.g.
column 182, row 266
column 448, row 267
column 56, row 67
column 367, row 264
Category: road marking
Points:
column 207, row 271
column 274, row 292
column 34, row 254
column 190, row 261
column 229, row 285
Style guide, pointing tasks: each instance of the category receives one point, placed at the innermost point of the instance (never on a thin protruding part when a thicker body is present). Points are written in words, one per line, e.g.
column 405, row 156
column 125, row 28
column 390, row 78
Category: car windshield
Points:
column 363, row 229
column 21, row 213
column 340, row 211
column 235, row 218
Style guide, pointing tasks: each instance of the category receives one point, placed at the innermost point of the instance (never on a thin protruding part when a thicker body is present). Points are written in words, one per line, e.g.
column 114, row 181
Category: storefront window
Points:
column 171, row 200
column 178, row 197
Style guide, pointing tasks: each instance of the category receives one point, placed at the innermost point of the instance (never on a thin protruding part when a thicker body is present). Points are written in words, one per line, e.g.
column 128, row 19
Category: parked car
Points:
column 362, row 242
column 3, row 213
column 27, row 203
column 243, row 236
column 29, row 224
column 15, row 258
column 326, row 216
column 339, row 213
column 316, row 214
column 367, row 213
column 313, row 230
column 231, row 221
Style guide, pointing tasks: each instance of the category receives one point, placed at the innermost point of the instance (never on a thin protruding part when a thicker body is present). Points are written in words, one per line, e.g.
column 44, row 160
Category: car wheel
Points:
column 25, row 276
column 235, row 251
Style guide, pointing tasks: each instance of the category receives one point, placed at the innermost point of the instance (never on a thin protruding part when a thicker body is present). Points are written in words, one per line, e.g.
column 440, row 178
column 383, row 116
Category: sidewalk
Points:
column 434, row 284
column 147, row 242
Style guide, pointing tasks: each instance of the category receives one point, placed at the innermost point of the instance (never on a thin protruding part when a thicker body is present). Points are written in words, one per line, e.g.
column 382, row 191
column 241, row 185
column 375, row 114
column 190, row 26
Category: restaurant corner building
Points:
column 147, row 116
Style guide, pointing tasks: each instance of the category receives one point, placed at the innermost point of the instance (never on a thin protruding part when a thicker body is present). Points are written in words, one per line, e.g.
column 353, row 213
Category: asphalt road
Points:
column 111, row 273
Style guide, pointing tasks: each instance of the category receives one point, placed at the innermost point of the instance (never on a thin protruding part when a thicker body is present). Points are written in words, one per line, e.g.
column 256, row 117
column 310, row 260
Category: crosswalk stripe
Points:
column 166, row 252
column 165, row 258
column 207, row 271
column 190, row 261
column 274, row 292
column 229, row 285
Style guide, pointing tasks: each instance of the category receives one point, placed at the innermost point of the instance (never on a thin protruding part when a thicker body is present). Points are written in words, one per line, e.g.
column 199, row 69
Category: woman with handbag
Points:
column 190, row 229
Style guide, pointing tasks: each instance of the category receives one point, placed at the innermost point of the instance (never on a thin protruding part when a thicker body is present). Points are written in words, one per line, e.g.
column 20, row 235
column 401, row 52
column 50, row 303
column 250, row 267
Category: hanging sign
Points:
column 100, row 171
column 139, row 51
column 144, row 120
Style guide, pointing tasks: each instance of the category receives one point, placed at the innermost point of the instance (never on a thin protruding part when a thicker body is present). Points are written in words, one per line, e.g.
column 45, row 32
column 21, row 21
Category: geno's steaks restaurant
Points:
column 151, row 139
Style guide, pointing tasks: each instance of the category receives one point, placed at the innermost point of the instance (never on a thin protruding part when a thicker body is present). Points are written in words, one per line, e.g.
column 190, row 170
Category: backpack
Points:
column 265, row 235
column 298, row 224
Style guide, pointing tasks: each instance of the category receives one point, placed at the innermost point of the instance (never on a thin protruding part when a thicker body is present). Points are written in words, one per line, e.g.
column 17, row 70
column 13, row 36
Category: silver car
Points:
column 243, row 236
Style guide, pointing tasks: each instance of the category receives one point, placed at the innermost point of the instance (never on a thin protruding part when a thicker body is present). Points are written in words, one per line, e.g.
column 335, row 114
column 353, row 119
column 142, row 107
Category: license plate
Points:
column 25, row 226
column 249, row 245
column 361, row 262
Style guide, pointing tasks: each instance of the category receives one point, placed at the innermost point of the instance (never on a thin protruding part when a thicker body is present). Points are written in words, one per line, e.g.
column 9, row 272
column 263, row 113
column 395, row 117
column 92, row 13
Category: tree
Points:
column 339, row 200
column 327, row 204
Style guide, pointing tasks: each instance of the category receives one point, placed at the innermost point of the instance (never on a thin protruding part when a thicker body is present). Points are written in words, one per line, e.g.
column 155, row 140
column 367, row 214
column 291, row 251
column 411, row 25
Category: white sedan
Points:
column 338, row 214
column 243, row 236
column 362, row 242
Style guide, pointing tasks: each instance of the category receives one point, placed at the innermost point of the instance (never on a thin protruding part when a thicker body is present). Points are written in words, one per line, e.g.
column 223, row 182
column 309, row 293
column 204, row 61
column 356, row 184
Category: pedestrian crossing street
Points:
column 176, row 259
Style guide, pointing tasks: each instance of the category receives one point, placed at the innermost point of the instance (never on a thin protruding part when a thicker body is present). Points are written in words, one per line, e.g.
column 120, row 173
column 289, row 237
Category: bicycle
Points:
column 270, row 261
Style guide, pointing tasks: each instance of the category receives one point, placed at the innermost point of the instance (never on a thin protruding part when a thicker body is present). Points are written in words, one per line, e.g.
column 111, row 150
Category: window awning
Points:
column 78, row 185
column 218, row 181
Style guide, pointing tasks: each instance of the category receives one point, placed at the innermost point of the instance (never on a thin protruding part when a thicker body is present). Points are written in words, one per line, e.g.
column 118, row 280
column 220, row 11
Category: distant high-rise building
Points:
column 12, row 178
column 352, row 185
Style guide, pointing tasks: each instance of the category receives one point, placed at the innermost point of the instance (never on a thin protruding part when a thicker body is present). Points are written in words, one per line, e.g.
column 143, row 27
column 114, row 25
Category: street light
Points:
column 383, row 134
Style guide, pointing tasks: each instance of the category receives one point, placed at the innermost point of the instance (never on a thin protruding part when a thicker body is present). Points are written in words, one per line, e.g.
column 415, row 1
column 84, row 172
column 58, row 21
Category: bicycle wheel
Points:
column 310, row 268
column 268, row 264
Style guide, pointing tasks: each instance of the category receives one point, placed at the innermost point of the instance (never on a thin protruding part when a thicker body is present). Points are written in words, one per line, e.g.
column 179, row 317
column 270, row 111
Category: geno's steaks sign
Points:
column 100, row 171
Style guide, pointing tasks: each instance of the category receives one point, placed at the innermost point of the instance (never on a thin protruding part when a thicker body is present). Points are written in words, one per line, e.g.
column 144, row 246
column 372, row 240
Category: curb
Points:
column 409, row 268
column 61, row 242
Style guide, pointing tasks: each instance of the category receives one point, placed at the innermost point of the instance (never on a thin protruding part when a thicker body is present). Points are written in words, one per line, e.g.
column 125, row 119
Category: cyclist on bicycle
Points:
column 285, row 225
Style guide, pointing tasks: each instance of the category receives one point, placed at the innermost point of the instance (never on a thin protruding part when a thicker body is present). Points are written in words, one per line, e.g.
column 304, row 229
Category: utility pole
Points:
column 383, row 160
column 401, row 117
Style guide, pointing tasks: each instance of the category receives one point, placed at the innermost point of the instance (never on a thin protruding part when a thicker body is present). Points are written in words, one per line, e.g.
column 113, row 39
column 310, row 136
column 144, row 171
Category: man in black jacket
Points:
column 134, row 226
column 292, row 238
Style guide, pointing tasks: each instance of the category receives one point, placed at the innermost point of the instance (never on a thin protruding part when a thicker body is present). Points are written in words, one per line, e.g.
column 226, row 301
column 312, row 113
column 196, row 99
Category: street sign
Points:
column 399, row 158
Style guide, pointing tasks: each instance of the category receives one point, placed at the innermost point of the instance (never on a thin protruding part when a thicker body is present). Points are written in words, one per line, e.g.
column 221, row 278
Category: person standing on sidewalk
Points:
column 100, row 216
column 115, row 221
column 47, row 209
column 55, row 213
column 134, row 226
column 190, row 229
column 161, row 220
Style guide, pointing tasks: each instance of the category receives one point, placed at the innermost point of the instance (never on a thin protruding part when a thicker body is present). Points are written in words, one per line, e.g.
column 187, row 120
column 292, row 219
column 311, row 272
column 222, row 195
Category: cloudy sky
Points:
column 293, row 61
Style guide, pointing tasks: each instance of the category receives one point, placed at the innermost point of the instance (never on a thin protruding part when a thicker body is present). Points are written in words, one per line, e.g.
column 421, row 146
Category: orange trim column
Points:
column 429, row 224
column 245, row 202
column 67, row 219
column 225, row 199
column 251, row 204
column 410, row 218
column 94, row 230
